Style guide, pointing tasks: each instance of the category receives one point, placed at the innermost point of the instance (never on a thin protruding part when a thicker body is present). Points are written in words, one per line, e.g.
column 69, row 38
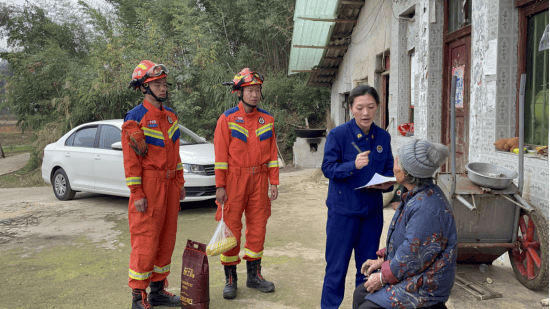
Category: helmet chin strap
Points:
column 148, row 91
column 242, row 100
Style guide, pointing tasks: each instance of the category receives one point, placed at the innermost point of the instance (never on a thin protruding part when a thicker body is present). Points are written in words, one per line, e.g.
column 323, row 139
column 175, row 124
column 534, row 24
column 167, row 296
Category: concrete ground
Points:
column 74, row 254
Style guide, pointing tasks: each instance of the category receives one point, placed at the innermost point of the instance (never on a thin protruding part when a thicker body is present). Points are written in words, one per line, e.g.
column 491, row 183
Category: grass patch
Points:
column 74, row 274
column 12, row 139
column 16, row 148
column 20, row 179
column 13, row 153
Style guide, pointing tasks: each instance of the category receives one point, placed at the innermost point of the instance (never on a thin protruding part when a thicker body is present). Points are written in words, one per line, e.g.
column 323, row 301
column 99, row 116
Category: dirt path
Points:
column 74, row 254
column 13, row 163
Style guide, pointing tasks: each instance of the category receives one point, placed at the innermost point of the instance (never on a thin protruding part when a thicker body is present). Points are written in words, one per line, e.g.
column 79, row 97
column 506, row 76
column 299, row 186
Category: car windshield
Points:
column 188, row 137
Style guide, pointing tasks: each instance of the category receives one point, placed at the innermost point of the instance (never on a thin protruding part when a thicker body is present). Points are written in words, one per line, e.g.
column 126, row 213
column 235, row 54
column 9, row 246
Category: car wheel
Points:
column 61, row 186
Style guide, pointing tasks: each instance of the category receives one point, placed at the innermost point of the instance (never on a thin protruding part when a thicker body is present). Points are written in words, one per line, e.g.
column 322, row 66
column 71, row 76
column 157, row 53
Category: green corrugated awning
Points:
column 310, row 33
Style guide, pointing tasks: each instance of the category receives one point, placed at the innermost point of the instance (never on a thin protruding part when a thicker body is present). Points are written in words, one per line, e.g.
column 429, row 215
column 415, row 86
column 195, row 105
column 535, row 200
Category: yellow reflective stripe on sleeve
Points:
column 264, row 129
column 152, row 133
column 173, row 129
column 273, row 164
column 179, row 166
column 139, row 276
column 133, row 181
column 253, row 254
column 161, row 270
column 220, row 166
column 229, row 259
column 236, row 127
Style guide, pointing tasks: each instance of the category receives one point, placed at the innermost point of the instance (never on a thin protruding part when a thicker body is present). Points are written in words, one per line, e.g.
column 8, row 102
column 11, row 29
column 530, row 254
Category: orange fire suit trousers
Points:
column 153, row 232
column 247, row 191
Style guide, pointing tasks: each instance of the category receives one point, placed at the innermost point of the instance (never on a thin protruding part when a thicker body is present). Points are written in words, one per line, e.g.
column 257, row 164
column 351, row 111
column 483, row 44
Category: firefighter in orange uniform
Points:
column 246, row 169
column 154, row 174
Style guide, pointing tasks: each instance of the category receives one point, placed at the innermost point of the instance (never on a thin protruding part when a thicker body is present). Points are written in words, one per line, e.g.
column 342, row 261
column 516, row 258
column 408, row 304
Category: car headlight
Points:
column 194, row 169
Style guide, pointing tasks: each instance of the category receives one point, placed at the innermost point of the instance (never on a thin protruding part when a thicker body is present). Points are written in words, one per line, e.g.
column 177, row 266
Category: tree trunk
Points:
column 2, row 155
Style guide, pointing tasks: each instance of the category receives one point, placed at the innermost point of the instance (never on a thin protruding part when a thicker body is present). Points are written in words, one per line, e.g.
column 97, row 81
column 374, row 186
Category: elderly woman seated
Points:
column 417, row 267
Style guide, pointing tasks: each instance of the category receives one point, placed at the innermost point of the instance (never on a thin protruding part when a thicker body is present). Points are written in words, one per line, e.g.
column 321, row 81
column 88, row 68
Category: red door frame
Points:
column 383, row 101
column 458, row 37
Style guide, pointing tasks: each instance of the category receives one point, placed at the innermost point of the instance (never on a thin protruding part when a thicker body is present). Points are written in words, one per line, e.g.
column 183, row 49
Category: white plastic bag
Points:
column 222, row 241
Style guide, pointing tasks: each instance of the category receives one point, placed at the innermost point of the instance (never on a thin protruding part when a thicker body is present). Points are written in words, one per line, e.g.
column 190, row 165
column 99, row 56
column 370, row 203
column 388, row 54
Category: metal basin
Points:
column 489, row 175
column 310, row 133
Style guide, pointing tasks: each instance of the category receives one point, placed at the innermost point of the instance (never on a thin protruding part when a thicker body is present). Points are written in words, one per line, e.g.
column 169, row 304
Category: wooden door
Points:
column 383, row 94
column 457, row 63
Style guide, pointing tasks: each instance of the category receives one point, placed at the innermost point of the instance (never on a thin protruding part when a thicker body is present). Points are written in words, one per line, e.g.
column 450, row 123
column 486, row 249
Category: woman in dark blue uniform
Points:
column 354, row 152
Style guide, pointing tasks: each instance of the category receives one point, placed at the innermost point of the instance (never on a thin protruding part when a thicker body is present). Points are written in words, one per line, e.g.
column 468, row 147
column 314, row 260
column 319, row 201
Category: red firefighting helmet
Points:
column 147, row 71
column 246, row 78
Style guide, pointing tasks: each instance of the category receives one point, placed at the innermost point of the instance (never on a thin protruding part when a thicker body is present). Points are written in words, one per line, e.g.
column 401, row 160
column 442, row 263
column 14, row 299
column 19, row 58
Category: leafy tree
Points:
column 72, row 65
column 4, row 71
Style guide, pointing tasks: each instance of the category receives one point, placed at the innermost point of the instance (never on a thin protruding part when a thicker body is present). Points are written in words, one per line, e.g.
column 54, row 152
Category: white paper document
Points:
column 377, row 179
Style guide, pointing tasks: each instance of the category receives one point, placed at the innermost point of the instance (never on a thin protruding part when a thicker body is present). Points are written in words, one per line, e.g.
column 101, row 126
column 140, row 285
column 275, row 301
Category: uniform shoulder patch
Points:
column 172, row 111
column 136, row 113
column 263, row 111
column 231, row 111
column 169, row 109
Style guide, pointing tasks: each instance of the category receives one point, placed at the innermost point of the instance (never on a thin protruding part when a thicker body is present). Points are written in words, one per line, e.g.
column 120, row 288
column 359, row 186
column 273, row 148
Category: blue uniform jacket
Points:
column 339, row 167
column 420, row 251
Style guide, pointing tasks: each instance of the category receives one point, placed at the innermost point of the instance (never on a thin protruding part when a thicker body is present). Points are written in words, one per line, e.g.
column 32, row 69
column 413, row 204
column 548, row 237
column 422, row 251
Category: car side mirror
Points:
column 117, row 146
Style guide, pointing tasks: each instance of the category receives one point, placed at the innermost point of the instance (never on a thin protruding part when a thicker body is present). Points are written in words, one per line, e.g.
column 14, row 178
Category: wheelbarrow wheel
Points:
column 530, row 260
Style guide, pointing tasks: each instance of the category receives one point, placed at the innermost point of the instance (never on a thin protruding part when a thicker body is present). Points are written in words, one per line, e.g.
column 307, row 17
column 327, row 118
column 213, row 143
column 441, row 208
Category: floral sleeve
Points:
column 423, row 243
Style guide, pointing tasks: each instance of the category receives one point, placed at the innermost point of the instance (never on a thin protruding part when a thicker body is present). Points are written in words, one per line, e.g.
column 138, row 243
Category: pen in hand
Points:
column 362, row 158
column 356, row 147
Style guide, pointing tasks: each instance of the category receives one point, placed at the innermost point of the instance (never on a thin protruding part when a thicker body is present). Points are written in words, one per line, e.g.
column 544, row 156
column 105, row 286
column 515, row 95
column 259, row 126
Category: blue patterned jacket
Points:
column 420, row 253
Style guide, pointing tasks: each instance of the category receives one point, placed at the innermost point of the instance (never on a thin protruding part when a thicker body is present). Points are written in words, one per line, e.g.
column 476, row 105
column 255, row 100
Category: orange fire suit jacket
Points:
column 162, row 137
column 245, row 140
column 158, row 177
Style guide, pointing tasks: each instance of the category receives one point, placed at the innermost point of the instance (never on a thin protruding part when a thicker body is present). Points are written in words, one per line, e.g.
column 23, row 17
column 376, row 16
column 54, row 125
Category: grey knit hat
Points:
column 422, row 158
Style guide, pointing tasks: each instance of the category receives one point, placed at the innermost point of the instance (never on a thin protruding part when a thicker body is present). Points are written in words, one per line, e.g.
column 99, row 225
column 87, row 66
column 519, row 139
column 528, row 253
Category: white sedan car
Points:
column 89, row 158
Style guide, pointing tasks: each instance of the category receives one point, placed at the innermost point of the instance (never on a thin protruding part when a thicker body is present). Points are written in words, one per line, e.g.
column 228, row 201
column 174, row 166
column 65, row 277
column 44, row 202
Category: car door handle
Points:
column 68, row 154
column 97, row 157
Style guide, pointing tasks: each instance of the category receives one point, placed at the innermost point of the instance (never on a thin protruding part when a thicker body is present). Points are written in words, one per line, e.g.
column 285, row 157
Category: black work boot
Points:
column 255, row 279
column 230, row 290
column 139, row 300
column 160, row 297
